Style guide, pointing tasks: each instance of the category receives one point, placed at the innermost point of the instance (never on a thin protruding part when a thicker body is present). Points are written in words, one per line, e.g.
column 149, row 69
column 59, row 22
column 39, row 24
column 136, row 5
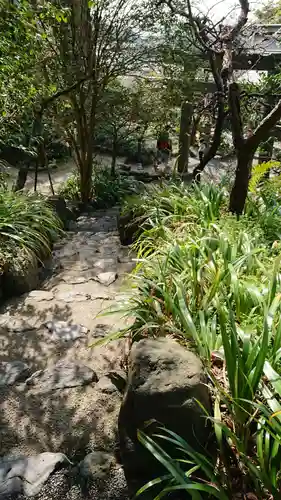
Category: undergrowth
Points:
column 27, row 225
column 213, row 283
column 108, row 190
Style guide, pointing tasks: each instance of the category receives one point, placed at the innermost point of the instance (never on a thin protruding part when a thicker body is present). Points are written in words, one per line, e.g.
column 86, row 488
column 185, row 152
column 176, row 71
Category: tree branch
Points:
column 48, row 100
column 230, row 34
column 262, row 131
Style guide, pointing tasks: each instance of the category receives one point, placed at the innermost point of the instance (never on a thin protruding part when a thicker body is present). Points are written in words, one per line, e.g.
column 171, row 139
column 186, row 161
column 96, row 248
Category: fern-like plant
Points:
column 259, row 171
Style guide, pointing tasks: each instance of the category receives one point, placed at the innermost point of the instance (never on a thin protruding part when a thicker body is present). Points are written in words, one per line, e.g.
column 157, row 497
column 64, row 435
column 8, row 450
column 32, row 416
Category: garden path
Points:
column 64, row 409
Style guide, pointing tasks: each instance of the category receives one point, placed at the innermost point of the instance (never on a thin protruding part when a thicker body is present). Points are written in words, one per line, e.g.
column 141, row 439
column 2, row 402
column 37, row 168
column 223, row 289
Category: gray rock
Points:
column 101, row 330
column 96, row 465
column 75, row 280
column 77, row 487
column 105, row 263
column 124, row 259
column 110, row 250
column 66, row 331
column 106, row 386
column 128, row 228
column 16, row 325
column 12, row 372
column 59, row 206
column 118, row 378
column 107, row 278
column 61, row 376
column 10, row 487
column 66, row 251
column 22, row 276
column 27, row 474
column 113, row 381
column 40, row 295
column 73, row 296
column 164, row 382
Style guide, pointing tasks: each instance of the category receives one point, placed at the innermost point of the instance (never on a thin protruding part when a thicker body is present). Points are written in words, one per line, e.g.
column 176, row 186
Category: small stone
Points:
column 75, row 280
column 107, row 278
column 12, row 372
column 66, row 331
column 67, row 251
column 118, row 379
column 109, row 250
column 18, row 325
column 100, row 330
column 96, row 465
column 105, row 263
column 61, row 376
column 106, row 386
column 73, row 296
column 40, row 295
column 124, row 259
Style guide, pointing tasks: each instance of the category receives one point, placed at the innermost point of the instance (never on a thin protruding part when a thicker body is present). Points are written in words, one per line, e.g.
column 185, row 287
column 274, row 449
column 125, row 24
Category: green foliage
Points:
column 107, row 189
column 259, row 171
column 27, row 222
column 269, row 13
column 213, row 282
column 130, row 113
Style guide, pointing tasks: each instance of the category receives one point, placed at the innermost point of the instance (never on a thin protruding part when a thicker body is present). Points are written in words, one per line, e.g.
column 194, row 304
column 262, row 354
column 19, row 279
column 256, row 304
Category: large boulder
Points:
column 165, row 381
column 21, row 275
column 128, row 228
column 59, row 206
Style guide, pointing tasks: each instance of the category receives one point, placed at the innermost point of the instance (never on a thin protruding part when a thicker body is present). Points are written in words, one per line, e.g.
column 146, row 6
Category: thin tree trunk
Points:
column 114, row 156
column 211, row 151
column 139, row 150
column 184, row 138
column 21, row 178
column 240, row 187
column 194, row 128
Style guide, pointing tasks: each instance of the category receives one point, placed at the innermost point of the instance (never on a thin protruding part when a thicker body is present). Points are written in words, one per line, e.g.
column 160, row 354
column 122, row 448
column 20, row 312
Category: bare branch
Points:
column 263, row 130
column 242, row 20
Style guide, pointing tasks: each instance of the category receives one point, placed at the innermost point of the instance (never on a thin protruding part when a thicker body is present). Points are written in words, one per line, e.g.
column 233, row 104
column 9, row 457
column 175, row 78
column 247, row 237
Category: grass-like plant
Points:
column 27, row 223
column 214, row 283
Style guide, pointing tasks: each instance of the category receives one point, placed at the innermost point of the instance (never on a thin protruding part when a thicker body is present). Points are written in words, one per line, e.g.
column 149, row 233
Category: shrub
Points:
column 214, row 283
column 26, row 222
column 107, row 189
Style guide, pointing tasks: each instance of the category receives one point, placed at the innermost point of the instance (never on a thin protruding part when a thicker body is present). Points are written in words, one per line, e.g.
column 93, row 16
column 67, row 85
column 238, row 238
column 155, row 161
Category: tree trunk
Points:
column 194, row 128
column 139, row 150
column 184, row 139
column 37, row 130
column 240, row 187
column 86, row 180
column 211, row 151
column 114, row 157
column 266, row 152
column 21, row 178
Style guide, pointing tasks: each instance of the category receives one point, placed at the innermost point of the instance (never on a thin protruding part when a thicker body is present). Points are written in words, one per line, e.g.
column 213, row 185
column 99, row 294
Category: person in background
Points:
column 164, row 146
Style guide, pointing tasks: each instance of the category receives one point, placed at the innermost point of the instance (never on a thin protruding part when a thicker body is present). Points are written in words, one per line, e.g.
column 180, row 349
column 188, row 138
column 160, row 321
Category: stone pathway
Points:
column 57, row 394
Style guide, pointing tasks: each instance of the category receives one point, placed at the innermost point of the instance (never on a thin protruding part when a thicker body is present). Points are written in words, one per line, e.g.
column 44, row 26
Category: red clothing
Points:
column 164, row 145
